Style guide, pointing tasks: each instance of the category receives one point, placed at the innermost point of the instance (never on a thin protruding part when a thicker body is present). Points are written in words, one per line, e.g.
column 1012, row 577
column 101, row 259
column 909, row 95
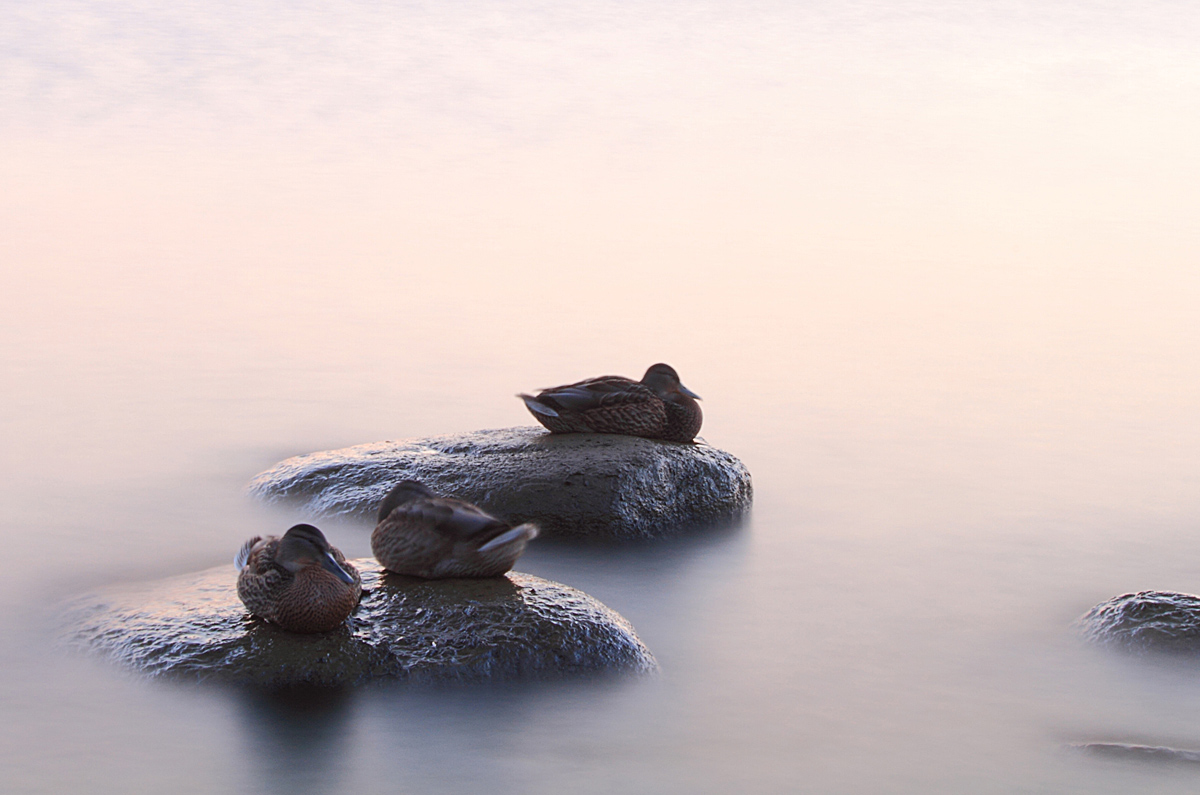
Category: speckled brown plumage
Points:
column 421, row 535
column 298, row 595
column 657, row 407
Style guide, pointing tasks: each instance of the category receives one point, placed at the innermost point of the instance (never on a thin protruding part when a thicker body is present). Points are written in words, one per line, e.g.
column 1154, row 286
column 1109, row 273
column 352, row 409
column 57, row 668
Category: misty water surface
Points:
column 931, row 265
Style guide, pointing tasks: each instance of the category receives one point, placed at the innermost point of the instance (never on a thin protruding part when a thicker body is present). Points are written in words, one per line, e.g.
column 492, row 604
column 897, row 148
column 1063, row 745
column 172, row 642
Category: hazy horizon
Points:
column 930, row 265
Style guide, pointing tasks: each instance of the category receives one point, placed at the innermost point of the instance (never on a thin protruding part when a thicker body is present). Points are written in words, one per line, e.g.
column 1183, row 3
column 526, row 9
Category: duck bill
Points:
column 330, row 565
column 683, row 390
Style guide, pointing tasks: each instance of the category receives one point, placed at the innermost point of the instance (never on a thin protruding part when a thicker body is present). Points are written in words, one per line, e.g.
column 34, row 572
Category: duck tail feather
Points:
column 519, row 534
column 243, row 556
column 536, row 406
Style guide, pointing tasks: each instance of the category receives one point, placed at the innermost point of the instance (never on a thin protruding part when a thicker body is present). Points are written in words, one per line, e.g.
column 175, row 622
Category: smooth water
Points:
column 931, row 265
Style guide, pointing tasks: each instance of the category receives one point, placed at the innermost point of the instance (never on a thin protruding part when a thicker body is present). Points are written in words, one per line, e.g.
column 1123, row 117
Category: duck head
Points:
column 405, row 491
column 663, row 379
column 303, row 546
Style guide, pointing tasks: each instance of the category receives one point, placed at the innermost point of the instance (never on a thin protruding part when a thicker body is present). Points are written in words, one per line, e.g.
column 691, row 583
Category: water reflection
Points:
column 295, row 739
column 655, row 584
column 462, row 739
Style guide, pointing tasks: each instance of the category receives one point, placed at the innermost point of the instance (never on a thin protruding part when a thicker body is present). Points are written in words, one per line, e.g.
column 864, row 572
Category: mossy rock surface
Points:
column 1147, row 621
column 582, row 485
column 517, row 627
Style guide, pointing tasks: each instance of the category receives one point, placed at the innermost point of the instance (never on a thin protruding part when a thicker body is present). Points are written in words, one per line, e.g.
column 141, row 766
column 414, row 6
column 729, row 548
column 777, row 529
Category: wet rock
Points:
column 517, row 627
column 1146, row 621
column 578, row 485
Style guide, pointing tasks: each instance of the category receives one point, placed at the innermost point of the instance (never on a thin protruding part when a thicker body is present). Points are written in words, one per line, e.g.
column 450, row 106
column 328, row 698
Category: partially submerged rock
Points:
column 1146, row 621
column 502, row 628
column 1141, row 753
column 580, row 485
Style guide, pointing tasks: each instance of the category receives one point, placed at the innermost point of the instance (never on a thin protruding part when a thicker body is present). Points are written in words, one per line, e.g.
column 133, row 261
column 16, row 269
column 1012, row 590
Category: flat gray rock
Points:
column 583, row 485
column 1146, row 621
column 517, row 627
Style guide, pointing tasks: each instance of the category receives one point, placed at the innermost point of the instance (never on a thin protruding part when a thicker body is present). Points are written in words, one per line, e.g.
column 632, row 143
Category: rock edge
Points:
column 570, row 485
column 517, row 627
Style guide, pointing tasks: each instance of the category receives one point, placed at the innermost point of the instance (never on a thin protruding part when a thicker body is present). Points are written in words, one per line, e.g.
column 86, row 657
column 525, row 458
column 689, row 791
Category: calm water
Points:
column 932, row 266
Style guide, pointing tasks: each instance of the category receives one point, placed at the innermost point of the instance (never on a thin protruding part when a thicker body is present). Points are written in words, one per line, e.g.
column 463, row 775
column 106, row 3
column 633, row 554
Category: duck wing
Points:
column 453, row 518
column 603, row 392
